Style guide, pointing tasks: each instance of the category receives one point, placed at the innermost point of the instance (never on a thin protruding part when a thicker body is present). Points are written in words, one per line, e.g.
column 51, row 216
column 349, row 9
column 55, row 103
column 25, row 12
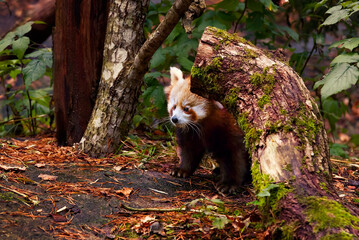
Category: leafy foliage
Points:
column 344, row 72
column 257, row 17
column 27, row 107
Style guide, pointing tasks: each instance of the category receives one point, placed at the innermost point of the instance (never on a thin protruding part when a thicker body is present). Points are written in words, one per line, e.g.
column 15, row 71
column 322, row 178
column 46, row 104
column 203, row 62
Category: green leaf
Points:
column 355, row 139
column 346, row 58
column 158, row 58
column 185, row 63
column 229, row 5
column 19, row 46
column 23, row 29
column 33, row 71
column 289, row 31
column 217, row 201
column 349, row 43
column 178, row 30
column 43, row 54
column 266, row 191
column 7, row 41
column 336, row 17
column 269, row 5
column 333, row 110
column 220, row 222
column 13, row 74
column 137, row 120
column 319, row 4
column 333, row 9
column 338, row 150
column 340, row 78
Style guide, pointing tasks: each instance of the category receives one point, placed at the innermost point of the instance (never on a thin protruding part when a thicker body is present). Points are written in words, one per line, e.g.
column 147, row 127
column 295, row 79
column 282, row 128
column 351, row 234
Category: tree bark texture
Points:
column 115, row 106
column 78, row 47
column 284, row 132
column 125, row 63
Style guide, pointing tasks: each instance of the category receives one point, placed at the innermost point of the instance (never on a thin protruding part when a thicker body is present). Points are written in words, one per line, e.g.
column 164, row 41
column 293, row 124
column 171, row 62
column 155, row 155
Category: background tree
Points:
column 125, row 63
column 78, row 48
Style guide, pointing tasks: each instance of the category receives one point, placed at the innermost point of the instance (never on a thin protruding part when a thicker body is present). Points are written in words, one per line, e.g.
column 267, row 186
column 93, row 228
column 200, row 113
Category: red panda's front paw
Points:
column 178, row 172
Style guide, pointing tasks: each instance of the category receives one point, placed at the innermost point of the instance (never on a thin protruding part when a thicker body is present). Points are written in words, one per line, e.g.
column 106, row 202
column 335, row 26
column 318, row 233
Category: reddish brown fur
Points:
column 204, row 126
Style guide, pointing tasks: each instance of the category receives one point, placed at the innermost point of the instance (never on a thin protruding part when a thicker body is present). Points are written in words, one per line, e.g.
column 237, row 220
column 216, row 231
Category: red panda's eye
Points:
column 174, row 107
column 186, row 109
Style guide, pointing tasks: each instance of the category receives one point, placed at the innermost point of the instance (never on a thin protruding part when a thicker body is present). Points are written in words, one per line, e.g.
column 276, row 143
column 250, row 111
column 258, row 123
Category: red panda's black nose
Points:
column 174, row 119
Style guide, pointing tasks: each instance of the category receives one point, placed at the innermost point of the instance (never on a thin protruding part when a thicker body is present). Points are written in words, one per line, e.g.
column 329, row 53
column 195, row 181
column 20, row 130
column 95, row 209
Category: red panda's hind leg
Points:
column 234, row 171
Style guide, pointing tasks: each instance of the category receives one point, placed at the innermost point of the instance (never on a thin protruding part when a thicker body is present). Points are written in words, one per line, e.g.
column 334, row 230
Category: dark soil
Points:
column 86, row 199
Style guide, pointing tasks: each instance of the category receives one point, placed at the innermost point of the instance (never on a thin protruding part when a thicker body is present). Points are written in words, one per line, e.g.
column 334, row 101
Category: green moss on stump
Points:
column 231, row 98
column 226, row 37
column 265, row 99
column 264, row 80
column 268, row 193
column 209, row 75
column 339, row 236
column 323, row 213
column 252, row 135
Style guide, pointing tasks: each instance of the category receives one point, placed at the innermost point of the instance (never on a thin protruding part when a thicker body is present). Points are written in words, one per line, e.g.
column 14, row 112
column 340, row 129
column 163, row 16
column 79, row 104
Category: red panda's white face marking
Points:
column 184, row 107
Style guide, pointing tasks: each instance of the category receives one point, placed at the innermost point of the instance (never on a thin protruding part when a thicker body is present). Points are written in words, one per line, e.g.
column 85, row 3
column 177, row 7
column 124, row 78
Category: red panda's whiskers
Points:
column 195, row 127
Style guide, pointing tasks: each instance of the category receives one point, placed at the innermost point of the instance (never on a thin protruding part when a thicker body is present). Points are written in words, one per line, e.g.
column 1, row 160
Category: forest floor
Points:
column 52, row 192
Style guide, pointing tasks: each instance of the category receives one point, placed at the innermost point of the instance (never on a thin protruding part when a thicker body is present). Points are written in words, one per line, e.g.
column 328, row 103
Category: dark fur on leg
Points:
column 190, row 151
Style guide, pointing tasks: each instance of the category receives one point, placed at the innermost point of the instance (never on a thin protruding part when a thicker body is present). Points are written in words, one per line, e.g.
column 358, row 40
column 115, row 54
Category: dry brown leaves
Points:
column 42, row 153
column 17, row 155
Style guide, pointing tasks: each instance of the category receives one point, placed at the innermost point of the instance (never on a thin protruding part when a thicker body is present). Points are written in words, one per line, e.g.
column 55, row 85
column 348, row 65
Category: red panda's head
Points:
column 184, row 107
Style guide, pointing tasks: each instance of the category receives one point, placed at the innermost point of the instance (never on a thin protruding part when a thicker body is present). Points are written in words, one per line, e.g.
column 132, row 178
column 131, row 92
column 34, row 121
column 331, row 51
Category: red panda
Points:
column 205, row 126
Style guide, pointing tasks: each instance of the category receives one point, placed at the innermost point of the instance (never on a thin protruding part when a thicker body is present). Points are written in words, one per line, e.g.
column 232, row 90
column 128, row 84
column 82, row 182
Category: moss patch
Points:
column 268, row 194
column 231, row 98
column 337, row 236
column 209, row 75
column 265, row 99
column 288, row 230
column 323, row 213
column 252, row 135
column 227, row 37
column 264, row 80
column 7, row 196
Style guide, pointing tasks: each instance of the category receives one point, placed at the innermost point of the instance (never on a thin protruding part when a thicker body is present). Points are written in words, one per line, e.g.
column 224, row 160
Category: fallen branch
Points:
column 154, row 209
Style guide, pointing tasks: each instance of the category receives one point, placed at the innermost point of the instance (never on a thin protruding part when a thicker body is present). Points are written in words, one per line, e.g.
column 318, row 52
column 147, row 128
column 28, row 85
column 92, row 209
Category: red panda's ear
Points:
column 176, row 75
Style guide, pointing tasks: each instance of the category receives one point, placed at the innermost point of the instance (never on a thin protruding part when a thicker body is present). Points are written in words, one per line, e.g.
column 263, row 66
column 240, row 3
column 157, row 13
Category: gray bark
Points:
column 125, row 63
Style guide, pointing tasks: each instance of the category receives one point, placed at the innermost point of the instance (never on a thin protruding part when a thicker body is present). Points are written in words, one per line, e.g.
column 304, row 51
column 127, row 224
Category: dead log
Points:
column 284, row 135
column 17, row 13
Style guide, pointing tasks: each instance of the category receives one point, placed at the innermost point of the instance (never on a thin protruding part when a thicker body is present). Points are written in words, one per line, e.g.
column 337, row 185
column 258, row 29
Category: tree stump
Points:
column 284, row 135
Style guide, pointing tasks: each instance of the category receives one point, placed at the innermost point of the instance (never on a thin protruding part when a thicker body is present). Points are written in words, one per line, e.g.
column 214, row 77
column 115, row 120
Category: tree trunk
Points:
column 78, row 47
column 115, row 106
column 124, row 65
column 284, row 135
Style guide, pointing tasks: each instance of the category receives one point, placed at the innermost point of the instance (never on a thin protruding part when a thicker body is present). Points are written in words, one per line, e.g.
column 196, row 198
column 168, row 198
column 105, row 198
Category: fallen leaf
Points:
column 351, row 187
column 47, row 177
column 40, row 165
column 117, row 168
column 58, row 218
column 147, row 219
column 125, row 191
column 12, row 167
